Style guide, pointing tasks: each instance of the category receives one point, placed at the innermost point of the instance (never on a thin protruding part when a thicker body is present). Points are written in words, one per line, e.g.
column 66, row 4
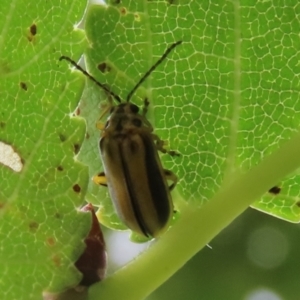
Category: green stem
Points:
column 197, row 227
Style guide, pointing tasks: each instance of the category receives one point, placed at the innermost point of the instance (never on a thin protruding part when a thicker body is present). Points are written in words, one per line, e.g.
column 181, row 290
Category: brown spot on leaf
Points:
column 51, row 241
column 56, row 260
column 137, row 17
column 59, row 168
column 2, row 125
column 76, row 148
column 76, row 188
column 32, row 32
column 57, row 215
column 275, row 190
column 62, row 137
column 123, row 11
column 104, row 67
column 33, row 226
column 33, row 29
column 23, row 86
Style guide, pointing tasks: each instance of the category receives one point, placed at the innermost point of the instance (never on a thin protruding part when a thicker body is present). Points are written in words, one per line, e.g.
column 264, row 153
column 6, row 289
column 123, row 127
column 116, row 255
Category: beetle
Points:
column 133, row 172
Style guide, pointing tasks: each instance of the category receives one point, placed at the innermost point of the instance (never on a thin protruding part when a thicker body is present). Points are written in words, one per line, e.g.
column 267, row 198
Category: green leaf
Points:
column 41, row 230
column 225, row 100
column 221, row 106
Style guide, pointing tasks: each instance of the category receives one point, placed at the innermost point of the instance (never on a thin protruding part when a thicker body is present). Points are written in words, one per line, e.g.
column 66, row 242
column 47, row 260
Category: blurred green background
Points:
column 255, row 258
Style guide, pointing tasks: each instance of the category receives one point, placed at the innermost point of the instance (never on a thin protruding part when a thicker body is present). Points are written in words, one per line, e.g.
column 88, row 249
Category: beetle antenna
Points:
column 72, row 62
column 152, row 69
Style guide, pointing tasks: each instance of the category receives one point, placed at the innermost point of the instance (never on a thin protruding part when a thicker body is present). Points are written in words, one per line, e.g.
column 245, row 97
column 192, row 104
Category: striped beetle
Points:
column 133, row 171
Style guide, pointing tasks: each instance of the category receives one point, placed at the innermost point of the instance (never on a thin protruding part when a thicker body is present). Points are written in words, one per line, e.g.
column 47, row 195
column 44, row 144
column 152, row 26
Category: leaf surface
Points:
column 41, row 230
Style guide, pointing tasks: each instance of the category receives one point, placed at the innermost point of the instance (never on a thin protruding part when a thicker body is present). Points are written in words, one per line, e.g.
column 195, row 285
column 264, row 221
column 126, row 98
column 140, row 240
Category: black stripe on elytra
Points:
column 156, row 182
column 130, row 186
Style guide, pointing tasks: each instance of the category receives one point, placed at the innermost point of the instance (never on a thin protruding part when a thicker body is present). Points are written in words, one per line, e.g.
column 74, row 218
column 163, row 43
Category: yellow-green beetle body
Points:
column 135, row 178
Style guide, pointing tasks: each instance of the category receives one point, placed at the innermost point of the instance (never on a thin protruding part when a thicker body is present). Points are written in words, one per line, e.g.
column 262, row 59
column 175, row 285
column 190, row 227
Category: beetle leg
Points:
column 159, row 143
column 100, row 179
column 171, row 176
column 160, row 146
